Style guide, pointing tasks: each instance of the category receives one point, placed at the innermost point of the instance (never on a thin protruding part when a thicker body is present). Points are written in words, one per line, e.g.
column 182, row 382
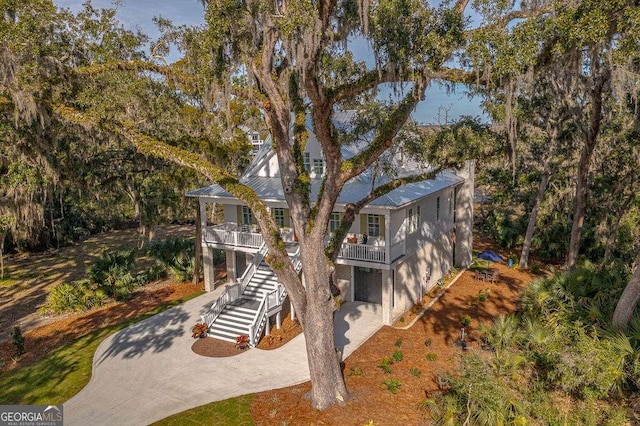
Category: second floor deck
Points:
column 230, row 236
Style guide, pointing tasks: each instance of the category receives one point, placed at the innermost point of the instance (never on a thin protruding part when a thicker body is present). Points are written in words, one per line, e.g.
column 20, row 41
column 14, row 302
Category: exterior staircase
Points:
column 237, row 317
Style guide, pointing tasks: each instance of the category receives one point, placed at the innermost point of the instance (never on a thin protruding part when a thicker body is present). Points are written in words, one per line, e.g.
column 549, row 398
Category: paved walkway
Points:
column 148, row 371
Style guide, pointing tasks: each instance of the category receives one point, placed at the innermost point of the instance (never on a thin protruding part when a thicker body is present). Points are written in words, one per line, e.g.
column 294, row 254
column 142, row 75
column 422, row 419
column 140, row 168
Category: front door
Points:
column 368, row 285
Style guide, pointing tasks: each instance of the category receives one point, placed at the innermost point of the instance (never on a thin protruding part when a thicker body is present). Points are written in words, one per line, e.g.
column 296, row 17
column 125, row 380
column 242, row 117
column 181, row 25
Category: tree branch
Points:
column 279, row 259
column 358, row 164
column 353, row 209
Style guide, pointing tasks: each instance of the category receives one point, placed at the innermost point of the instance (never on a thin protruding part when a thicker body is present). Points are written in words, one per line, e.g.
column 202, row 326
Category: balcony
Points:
column 248, row 238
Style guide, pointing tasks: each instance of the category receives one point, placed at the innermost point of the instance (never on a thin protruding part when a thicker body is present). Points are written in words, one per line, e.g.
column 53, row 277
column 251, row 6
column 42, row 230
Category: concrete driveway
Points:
column 148, row 371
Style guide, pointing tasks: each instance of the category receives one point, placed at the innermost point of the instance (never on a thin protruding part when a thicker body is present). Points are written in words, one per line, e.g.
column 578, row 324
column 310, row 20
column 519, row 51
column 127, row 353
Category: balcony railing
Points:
column 364, row 252
column 232, row 235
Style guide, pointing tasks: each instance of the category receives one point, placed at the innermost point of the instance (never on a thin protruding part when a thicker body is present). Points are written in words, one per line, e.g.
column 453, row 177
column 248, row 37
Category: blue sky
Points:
column 138, row 14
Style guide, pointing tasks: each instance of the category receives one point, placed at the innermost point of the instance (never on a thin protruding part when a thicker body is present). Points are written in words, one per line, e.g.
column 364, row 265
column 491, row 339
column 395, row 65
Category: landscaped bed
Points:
column 426, row 349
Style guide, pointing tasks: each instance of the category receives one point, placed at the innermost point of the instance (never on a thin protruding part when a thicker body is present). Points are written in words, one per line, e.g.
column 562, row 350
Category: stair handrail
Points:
column 258, row 323
column 253, row 267
column 229, row 294
column 295, row 259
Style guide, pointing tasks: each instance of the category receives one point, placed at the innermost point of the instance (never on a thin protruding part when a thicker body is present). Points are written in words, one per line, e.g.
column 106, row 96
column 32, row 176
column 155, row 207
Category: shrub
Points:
column 178, row 255
column 356, row 372
column 183, row 267
column 465, row 320
column 110, row 266
column 427, row 342
column 398, row 342
column 392, row 385
column 397, row 356
column 385, row 365
column 74, row 296
column 165, row 251
column 18, row 340
column 416, row 372
column 432, row 356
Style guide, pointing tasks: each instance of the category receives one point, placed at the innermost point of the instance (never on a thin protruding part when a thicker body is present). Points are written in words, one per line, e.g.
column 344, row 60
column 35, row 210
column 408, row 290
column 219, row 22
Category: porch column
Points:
column 231, row 266
column 387, row 298
column 387, row 237
column 209, row 269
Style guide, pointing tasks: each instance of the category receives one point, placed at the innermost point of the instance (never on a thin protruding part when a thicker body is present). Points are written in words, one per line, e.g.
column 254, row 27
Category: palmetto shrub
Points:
column 111, row 265
column 183, row 266
column 177, row 255
column 74, row 296
column 560, row 346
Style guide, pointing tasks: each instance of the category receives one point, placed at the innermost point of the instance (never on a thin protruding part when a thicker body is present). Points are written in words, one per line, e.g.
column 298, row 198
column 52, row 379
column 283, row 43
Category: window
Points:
column 307, row 162
column 413, row 217
column 247, row 216
column 455, row 197
column 278, row 214
column 438, row 208
column 373, row 225
column 318, row 166
column 334, row 221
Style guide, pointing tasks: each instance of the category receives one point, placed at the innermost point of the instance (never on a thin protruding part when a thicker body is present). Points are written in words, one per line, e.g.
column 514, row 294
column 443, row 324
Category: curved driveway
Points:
column 148, row 371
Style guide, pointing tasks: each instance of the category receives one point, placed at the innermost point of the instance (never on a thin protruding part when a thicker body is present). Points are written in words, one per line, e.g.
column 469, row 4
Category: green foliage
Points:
column 74, row 296
column 427, row 342
column 386, row 364
column 431, row 356
column 233, row 411
column 17, row 339
column 398, row 342
column 392, row 385
column 178, row 256
column 397, row 356
column 557, row 346
column 355, row 372
column 416, row 372
column 465, row 321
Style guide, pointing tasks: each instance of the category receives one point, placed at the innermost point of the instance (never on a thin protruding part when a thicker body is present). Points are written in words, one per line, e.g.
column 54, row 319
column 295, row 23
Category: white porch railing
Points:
column 226, row 235
column 231, row 293
column 259, row 323
column 365, row 252
column 230, row 234
column 251, row 269
column 270, row 302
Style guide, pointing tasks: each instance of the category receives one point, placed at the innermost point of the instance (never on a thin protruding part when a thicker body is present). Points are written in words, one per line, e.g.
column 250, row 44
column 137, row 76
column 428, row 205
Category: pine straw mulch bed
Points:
column 371, row 400
column 58, row 331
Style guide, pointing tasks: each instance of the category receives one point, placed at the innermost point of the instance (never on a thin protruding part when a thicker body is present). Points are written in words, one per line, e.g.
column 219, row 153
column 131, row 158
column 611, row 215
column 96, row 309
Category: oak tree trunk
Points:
column 628, row 301
column 582, row 179
column 328, row 386
column 198, row 258
column 531, row 227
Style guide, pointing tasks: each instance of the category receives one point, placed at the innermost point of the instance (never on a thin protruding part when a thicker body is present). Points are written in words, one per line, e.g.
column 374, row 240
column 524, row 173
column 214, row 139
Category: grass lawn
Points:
column 64, row 372
column 234, row 411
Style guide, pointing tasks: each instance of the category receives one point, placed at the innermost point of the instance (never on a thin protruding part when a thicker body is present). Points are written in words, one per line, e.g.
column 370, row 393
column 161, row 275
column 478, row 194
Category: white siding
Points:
column 231, row 213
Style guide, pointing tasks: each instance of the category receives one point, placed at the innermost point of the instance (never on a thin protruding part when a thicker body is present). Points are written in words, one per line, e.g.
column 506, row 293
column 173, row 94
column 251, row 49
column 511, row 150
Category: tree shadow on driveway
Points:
column 156, row 334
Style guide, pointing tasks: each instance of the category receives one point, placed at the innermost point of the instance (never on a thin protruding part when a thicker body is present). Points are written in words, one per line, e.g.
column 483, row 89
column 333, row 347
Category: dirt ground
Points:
column 429, row 346
column 30, row 277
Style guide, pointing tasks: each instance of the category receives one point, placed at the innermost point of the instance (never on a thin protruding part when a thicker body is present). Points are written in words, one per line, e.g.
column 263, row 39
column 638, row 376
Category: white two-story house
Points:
column 399, row 247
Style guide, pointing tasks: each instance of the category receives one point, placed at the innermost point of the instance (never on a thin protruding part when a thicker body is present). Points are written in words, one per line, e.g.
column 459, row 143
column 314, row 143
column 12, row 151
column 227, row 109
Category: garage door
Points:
column 368, row 285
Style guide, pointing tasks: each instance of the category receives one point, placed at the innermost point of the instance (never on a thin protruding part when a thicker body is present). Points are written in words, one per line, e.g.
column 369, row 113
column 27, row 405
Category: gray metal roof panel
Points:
column 270, row 188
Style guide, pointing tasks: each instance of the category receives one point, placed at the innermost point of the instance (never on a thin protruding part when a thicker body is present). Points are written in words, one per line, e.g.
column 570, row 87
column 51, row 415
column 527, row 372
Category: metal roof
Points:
column 270, row 189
